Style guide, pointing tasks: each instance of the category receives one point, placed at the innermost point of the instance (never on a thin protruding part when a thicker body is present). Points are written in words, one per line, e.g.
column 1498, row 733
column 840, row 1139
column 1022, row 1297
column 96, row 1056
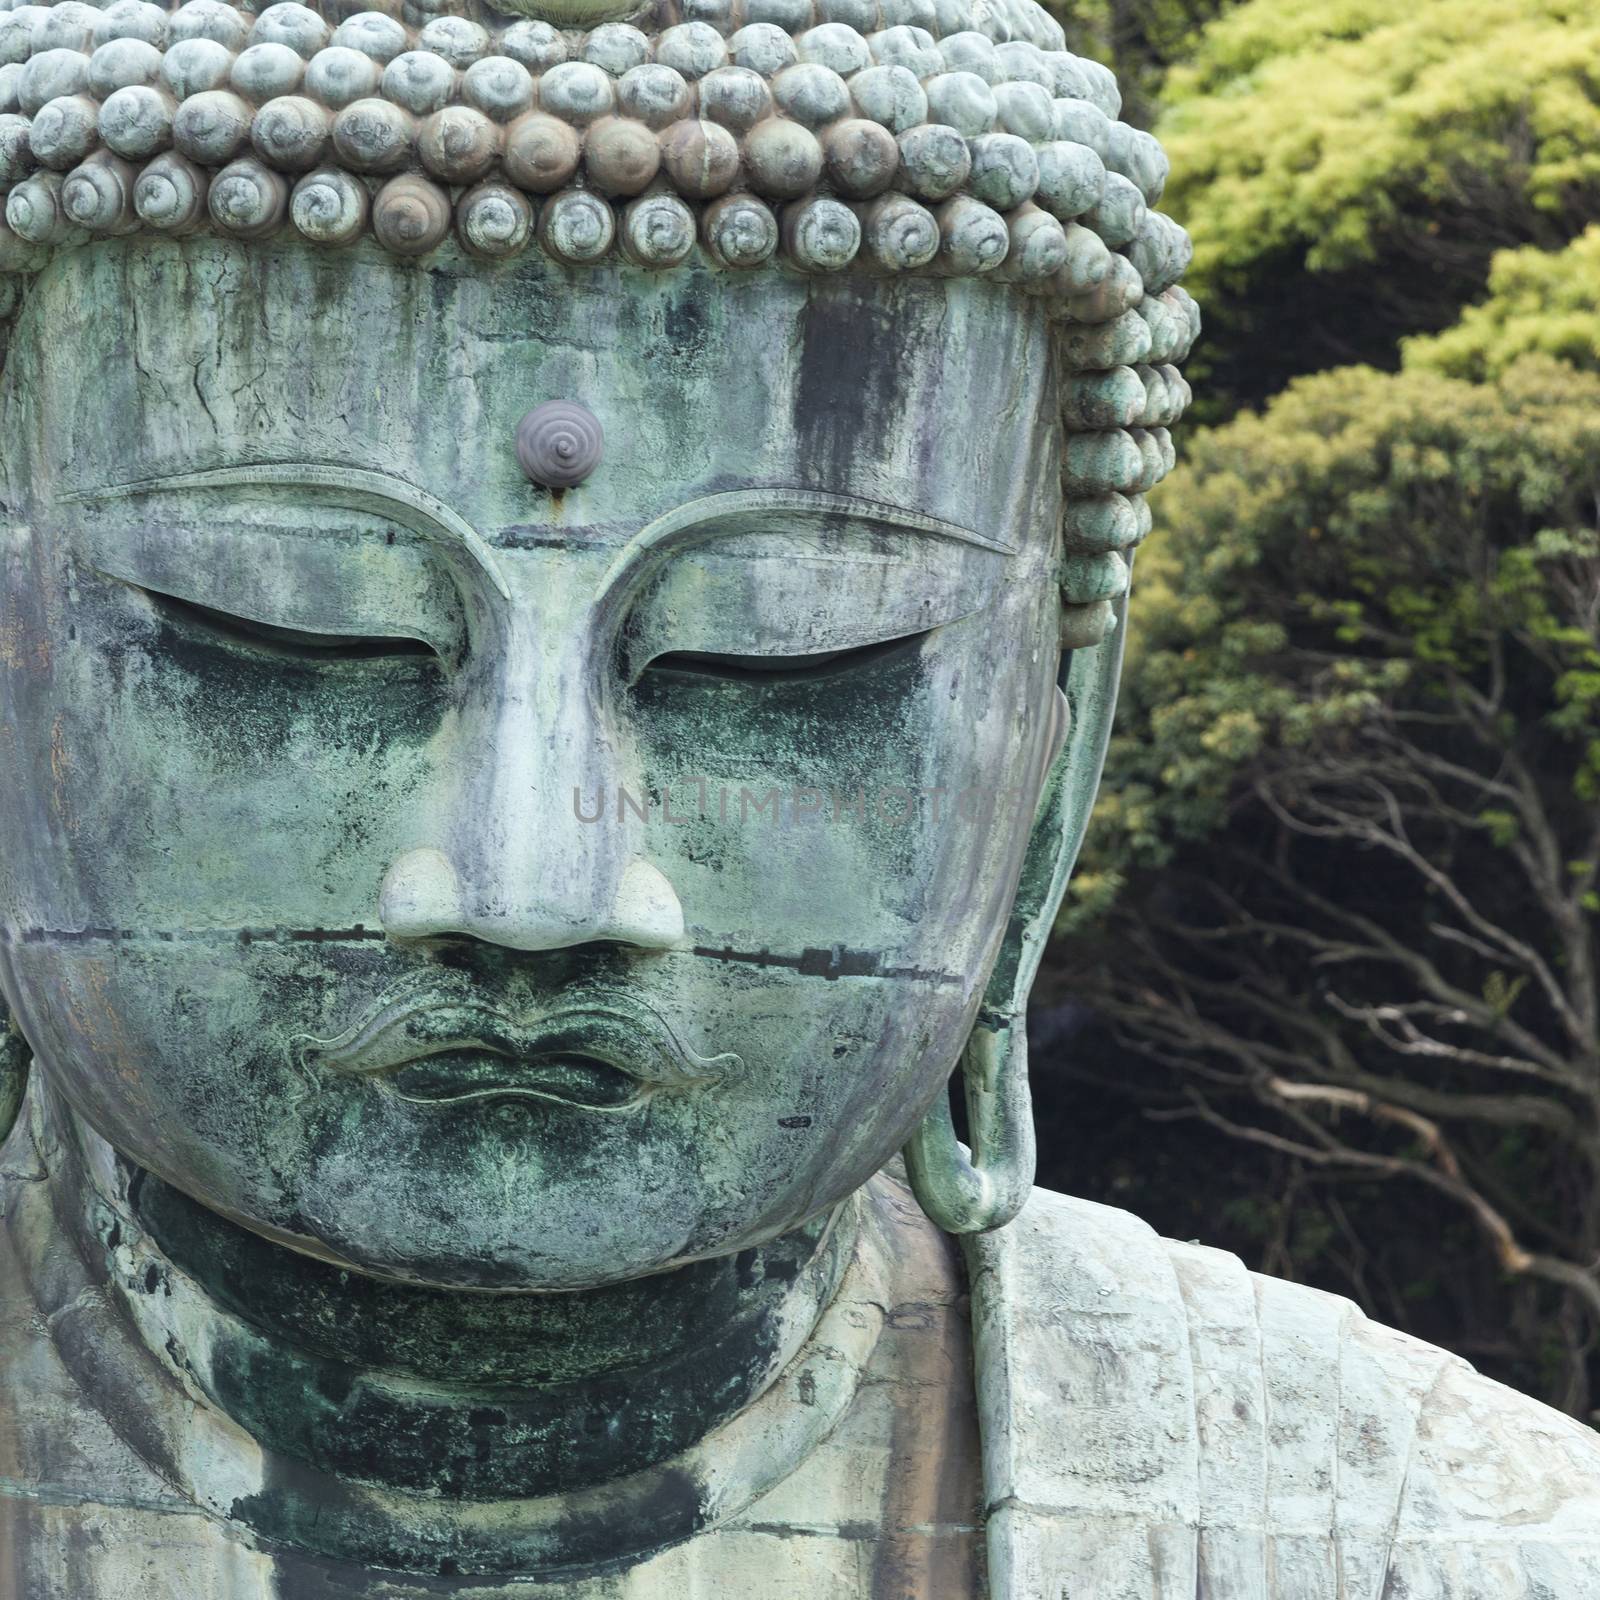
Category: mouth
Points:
column 444, row 1041
column 460, row 1077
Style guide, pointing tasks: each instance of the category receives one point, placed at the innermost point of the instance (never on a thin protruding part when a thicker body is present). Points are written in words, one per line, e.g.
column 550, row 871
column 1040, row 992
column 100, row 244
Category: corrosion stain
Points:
column 18, row 649
column 61, row 774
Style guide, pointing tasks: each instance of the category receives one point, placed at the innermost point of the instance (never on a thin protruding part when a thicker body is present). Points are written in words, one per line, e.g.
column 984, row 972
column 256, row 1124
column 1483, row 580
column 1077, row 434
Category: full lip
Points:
column 445, row 1042
column 459, row 1077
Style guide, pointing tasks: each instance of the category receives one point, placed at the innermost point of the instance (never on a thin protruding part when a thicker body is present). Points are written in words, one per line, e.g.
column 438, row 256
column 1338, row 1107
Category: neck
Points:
column 478, row 1394
column 474, row 1394
column 415, row 1397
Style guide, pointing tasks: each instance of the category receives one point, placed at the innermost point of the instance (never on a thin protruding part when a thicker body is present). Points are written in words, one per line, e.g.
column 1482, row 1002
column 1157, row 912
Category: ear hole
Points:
column 955, row 1088
column 15, row 1058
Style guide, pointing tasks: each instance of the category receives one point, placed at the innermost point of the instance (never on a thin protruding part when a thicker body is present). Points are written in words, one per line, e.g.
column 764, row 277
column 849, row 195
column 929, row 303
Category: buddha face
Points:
column 481, row 885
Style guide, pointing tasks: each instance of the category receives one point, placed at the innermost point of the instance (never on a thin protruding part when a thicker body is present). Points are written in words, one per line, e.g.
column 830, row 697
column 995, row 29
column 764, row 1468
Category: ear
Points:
column 973, row 1191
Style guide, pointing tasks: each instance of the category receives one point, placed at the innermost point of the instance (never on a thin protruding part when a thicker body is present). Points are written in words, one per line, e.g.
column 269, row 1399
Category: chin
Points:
column 448, row 1230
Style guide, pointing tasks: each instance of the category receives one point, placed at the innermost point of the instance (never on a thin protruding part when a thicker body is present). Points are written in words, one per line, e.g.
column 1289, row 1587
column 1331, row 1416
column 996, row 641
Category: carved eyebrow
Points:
column 697, row 520
column 411, row 507
column 705, row 512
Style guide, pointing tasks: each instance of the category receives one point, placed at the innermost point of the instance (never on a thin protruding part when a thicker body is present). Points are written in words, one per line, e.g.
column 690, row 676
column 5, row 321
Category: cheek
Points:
column 178, row 1045
column 856, row 821
column 171, row 782
column 29, row 666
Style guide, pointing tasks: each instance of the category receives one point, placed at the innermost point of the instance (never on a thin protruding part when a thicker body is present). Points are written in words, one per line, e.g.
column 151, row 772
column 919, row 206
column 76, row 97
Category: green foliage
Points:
column 1323, row 129
column 1253, row 35
column 1348, row 170
column 1544, row 301
column 1350, row 839
column 1336, row 553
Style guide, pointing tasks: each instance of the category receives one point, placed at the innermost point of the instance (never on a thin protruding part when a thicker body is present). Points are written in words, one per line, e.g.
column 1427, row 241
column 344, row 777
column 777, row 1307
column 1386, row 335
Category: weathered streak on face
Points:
column 286, row 748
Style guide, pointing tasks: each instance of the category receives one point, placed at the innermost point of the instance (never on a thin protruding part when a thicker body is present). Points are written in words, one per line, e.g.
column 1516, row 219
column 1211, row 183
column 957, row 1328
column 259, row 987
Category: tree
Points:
column 1539, row 301
column 1341, row 895
column 1348, row 168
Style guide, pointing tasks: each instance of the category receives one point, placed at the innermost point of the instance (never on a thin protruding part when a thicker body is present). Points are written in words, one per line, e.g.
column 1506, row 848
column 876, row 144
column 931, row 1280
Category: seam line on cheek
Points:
column 812, row 962
column 831, row 964
column 95, row 935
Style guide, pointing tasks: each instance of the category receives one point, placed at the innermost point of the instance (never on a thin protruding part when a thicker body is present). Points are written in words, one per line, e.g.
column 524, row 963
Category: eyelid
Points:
column 782, row 668
column 778, row 591
column 308, row 643
column 351, row 586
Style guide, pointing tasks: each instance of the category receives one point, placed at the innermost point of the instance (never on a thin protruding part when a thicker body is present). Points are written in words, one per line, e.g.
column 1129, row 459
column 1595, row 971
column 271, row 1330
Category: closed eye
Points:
column 230, row 628
column 785, row 669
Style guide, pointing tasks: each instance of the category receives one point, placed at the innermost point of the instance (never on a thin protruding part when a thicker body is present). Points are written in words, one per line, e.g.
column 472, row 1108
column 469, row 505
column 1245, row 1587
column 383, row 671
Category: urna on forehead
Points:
column 849, row 150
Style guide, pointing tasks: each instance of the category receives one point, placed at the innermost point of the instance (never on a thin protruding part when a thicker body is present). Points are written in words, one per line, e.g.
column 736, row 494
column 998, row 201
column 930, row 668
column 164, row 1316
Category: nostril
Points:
column 466, row 952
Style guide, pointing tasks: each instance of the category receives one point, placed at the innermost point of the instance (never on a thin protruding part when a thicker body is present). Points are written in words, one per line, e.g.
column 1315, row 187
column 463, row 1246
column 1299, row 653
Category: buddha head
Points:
column 560, row 600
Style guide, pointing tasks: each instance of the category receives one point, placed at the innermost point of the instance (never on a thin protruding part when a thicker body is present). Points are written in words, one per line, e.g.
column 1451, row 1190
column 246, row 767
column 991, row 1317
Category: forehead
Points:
column 138, row 360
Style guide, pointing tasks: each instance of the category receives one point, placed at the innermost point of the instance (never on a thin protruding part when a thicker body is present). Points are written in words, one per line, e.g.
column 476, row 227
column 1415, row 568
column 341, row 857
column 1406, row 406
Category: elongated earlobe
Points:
column 973, row 1191
column 15, row 1057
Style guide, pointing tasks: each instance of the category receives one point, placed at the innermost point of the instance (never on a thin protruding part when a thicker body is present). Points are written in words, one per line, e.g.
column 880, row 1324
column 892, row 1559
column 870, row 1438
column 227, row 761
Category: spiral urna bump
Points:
column 559, row 443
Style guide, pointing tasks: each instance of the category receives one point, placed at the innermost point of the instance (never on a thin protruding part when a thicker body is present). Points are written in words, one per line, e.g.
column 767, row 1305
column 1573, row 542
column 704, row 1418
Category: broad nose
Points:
column 424, row 896
column 513, row 862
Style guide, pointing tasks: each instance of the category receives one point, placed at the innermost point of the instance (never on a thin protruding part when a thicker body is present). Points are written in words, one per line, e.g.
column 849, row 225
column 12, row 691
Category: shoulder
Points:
column 1158, row 1420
